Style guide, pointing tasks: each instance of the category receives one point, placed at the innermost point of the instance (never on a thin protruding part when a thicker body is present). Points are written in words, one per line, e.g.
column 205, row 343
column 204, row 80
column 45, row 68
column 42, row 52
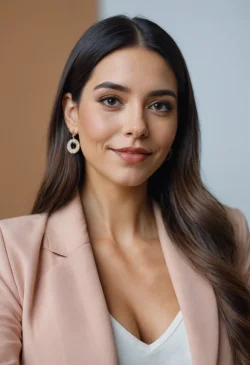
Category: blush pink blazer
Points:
column 52, row 307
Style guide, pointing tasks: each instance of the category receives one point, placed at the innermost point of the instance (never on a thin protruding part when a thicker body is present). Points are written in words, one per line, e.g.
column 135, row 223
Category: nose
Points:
column 136, row 125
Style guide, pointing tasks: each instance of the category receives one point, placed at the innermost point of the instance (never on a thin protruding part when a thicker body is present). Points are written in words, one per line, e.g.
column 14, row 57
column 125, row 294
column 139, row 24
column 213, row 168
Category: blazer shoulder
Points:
column 22, row 227
column 21, row 237
column 20, row 243
column 239, row 222
column 242, row 237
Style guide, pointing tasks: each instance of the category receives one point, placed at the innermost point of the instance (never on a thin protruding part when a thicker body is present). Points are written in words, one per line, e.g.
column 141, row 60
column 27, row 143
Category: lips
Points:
column 132, row 157
column 133, row 150
column 134, row 153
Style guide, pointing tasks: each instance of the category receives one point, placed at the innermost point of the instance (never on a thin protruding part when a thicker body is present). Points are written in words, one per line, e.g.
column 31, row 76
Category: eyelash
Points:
column 166, row 103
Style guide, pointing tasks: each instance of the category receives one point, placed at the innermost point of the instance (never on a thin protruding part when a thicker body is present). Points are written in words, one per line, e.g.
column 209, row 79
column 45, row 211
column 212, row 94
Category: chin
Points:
column 129, row 180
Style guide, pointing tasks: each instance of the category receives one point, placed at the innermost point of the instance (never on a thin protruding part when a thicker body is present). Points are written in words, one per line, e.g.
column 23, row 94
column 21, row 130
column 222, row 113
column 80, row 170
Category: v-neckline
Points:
column 159, row 341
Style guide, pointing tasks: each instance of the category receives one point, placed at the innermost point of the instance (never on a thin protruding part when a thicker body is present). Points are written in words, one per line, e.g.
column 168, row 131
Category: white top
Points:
column 171, row 348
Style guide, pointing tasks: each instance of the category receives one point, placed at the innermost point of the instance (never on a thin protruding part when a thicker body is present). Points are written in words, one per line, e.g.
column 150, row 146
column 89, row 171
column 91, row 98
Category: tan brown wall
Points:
column 35, row 38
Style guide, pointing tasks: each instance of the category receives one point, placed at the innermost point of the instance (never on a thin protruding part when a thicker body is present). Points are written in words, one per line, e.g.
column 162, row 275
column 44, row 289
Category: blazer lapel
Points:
column 196, row 298
column 78, row 304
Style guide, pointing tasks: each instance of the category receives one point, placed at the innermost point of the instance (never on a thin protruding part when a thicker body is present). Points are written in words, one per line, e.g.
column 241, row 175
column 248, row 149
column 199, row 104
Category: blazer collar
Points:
column 67, row 228
column 67, row 231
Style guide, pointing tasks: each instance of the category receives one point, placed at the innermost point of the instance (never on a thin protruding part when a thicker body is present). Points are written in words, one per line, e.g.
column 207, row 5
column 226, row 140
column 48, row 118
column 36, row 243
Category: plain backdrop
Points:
column 214, row 37
column 36, row 39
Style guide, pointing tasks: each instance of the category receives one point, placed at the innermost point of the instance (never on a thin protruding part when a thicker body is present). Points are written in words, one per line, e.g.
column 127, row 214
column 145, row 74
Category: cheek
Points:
column 165, row 135
column 95, row 128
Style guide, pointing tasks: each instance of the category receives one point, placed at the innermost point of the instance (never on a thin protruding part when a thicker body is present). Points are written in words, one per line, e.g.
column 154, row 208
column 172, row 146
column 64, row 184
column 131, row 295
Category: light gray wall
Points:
column 214, row 37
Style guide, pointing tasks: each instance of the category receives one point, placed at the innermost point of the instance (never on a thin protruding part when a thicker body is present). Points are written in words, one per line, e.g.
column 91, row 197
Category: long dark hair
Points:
column 196, row 221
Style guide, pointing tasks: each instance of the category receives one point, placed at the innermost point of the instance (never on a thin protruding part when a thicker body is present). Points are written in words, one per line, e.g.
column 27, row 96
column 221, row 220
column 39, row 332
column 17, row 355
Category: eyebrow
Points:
column 111, row 85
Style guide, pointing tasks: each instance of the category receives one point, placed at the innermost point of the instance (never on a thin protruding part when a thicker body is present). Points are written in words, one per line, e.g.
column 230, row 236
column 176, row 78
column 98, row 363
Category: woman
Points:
column 126, row 256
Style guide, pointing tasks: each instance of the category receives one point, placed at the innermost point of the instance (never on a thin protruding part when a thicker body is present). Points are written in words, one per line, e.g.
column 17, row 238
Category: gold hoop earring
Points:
column 73, row 145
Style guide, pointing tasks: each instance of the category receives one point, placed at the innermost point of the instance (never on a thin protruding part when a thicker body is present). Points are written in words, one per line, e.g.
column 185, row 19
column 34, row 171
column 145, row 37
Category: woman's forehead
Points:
column 130, row 66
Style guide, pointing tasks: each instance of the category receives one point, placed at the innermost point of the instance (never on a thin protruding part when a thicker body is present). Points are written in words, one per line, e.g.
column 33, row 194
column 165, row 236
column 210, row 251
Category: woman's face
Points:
column 111, row 117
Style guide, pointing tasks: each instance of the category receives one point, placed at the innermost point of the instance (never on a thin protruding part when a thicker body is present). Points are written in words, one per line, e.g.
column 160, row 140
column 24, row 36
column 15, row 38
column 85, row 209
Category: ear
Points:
column 70, row 113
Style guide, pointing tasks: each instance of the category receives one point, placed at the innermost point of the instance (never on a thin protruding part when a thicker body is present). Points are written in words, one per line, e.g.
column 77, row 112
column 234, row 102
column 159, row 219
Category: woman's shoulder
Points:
column 22, row 233
column 238, row 220
column 23, row 218
column 242, row 237
column 23, row 225
column 21, row 238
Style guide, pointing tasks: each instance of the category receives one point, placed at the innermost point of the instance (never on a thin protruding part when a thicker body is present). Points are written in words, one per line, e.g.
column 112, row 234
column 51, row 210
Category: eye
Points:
column 110, row 100
column 159, row 105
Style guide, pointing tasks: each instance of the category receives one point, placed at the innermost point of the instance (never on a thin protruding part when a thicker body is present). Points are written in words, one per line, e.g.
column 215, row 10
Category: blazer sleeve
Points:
column 10, row 311
column 243, row 235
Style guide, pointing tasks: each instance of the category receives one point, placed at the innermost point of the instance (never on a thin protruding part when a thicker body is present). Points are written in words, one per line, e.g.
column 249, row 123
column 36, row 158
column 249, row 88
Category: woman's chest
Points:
column 137, row 287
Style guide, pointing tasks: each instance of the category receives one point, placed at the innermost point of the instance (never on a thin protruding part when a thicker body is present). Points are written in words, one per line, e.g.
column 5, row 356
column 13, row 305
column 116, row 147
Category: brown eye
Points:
column 110, row 101
column 159, row 104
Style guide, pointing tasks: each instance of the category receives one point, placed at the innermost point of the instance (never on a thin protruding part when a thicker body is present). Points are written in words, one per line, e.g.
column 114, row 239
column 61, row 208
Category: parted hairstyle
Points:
column 196, row 221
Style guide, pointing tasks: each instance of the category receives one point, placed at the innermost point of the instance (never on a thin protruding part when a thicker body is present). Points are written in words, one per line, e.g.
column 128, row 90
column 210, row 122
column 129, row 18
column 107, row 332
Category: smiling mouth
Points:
column 134, row 153
column 132, row 157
